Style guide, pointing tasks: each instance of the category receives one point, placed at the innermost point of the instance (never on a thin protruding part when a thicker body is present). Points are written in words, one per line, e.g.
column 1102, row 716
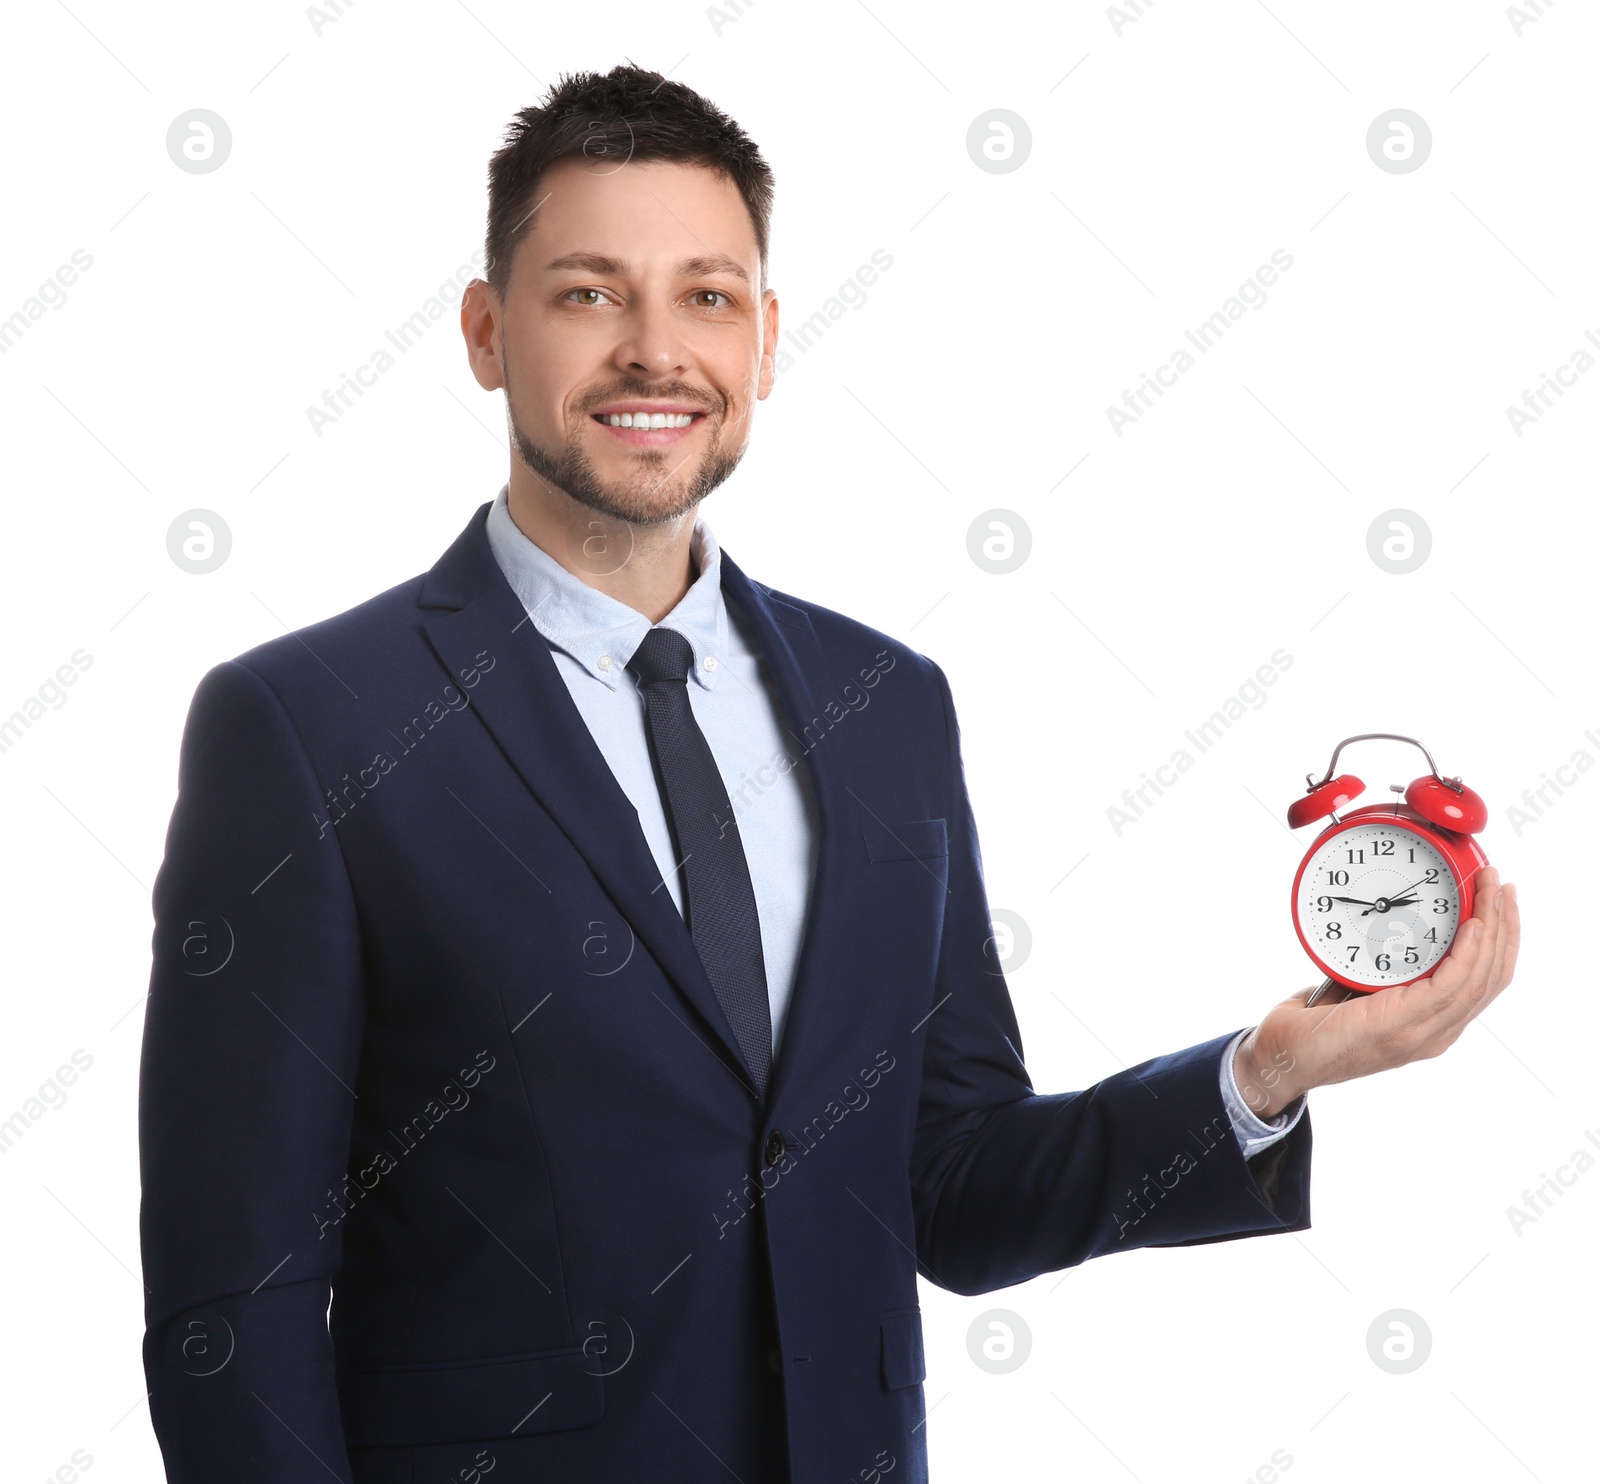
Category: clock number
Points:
column 1333, row 930
column 1338, row 878
column 1382, row 847
column 1411, row 955
column 1324, row 904
column 1356, row 857
column 1411, row 855
column 1353, row 950
column 1440, row 905
column 1431, row 936
column 1382, row 962
column 1431, row 878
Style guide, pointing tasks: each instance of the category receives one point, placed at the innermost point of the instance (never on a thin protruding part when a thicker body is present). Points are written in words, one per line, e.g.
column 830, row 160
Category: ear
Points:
column 480, row 328
column 769, row 344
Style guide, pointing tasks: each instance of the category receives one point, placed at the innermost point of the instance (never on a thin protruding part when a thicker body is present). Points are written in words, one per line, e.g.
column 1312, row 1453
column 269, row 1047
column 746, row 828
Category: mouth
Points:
column 644, row 426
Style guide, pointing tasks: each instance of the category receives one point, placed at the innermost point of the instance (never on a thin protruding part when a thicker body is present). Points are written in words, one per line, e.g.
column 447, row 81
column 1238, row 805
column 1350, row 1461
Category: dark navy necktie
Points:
column 719, row 901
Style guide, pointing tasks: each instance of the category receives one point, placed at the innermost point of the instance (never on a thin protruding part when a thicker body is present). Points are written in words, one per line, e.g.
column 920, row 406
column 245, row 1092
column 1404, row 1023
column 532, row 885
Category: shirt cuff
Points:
column 1254, row 1133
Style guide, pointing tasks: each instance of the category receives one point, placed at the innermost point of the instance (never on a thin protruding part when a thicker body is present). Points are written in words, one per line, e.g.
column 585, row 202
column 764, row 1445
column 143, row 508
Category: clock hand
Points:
column 1354, row 901
column 1391, row 902
column 1402, row 900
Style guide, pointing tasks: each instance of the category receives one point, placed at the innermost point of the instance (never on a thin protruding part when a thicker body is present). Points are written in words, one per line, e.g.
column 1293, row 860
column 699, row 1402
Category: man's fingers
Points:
column 1497, row 957
column 1464, row 957
column 1513, row 915
column 1486, row 883
column 1446, row 995
column 1483, row 962
column 1505, row 959
column 1466, row 969
column 1494, row 922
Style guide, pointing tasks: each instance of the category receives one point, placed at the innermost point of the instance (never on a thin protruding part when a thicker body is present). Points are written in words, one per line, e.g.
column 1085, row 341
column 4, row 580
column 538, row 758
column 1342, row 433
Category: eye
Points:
column 700, row 294
column 598, row 296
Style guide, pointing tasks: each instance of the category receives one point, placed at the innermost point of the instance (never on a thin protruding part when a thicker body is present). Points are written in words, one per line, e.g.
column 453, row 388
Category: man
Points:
column 576, row 959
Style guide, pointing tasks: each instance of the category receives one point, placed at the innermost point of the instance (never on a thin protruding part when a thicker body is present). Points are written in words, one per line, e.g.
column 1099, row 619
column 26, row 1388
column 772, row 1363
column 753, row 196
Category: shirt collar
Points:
column 598, row 631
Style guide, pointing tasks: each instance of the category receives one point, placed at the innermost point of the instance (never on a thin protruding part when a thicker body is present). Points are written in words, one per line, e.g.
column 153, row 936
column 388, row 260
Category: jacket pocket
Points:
column 901, row 1338
column 469, row 1401
column 915, row 839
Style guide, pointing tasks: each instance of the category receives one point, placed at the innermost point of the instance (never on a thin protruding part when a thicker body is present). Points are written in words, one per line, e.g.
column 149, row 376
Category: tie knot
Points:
column 663, row 654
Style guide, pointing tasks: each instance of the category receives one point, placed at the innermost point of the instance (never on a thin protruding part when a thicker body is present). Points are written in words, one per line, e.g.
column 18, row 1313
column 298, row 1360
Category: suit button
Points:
column 775, row 1146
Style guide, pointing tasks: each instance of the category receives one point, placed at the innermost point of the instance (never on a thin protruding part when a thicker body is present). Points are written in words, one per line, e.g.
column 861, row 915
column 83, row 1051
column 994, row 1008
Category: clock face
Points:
column 1377, row 904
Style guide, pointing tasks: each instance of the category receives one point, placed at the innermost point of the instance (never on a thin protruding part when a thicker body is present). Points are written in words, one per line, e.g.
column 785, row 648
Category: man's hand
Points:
column 1295, row 1048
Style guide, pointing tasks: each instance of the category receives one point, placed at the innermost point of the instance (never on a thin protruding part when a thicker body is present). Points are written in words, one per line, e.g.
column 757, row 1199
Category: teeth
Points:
column 648, row 419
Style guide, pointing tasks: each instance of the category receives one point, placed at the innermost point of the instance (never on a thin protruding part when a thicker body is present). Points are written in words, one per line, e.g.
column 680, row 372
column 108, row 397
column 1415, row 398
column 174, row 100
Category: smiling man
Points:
column 575, row 963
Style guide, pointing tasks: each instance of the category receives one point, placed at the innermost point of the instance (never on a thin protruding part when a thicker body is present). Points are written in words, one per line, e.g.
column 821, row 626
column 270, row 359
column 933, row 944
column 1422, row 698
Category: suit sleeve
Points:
column 1008, row 1183
column 246, row 1086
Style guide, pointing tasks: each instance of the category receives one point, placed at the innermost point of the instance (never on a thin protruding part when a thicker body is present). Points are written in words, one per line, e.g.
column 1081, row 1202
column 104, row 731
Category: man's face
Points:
column 635, row 298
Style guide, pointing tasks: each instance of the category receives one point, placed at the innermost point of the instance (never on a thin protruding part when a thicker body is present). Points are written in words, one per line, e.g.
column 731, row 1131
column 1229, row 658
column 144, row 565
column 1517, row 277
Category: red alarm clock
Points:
column 1382, row 891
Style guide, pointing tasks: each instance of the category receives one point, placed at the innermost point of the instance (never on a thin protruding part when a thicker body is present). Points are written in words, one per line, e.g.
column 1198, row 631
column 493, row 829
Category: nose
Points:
column 651, row 346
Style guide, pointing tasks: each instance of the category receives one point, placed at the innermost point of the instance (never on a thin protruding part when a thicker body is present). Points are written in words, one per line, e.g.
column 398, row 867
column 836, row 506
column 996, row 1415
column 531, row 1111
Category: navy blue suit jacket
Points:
column 426, row 1035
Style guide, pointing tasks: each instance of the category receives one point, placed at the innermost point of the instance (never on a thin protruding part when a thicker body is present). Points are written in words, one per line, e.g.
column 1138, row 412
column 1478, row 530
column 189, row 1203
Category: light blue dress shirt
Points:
column 592, row 636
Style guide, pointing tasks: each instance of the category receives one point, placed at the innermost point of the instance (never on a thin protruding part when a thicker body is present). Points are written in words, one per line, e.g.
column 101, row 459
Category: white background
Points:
column 1172, row 153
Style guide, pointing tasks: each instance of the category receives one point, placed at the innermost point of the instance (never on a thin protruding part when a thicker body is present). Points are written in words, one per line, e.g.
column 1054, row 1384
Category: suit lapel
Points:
column 788, row 644
column 529, row 711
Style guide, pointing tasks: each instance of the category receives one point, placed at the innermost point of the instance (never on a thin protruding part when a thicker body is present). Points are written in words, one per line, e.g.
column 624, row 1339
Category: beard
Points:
column 650, row 496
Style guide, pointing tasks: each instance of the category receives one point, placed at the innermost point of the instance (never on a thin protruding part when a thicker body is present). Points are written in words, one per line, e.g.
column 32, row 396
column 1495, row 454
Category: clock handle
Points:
column 1450, row 783
column 1324, row 987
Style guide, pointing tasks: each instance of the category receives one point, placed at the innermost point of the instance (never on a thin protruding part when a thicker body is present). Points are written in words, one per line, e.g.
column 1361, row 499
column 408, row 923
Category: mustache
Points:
column 673, row 391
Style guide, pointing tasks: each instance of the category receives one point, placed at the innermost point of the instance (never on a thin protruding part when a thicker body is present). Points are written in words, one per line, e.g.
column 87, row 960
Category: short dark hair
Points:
column 630, row 113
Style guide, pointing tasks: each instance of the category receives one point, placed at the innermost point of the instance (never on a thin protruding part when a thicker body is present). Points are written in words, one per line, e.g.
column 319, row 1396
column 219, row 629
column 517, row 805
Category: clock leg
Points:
column 1327, row 984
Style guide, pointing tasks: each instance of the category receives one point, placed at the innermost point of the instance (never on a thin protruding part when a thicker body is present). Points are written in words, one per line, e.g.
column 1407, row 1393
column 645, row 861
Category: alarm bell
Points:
column 1448, row 803
column 1323, row 799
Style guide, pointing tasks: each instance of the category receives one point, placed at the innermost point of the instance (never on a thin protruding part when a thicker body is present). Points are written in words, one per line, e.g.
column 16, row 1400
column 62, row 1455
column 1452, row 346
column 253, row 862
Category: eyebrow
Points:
column 698, row 267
